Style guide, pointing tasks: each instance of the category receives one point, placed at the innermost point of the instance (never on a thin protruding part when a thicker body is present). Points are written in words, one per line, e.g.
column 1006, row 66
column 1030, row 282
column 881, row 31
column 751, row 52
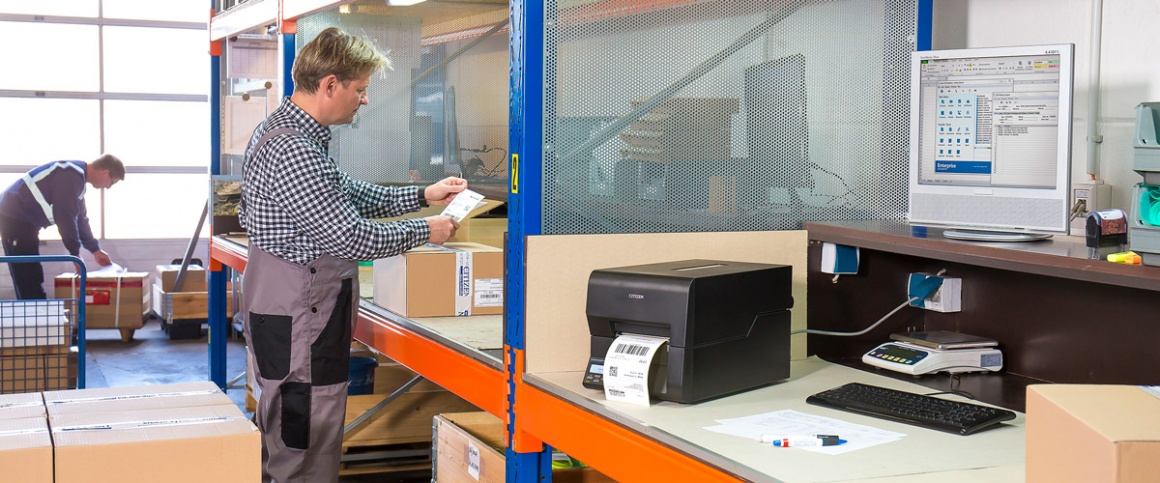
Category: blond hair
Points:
column 334, row 52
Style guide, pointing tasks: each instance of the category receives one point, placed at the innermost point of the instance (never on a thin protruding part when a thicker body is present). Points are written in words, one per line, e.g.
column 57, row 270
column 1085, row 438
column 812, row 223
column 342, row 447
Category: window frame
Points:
column 98, row 218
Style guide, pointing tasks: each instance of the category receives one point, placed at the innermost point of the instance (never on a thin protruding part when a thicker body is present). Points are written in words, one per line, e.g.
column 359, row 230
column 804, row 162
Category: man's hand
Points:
column 441, row 193
column 102, row 258
column 442, row 228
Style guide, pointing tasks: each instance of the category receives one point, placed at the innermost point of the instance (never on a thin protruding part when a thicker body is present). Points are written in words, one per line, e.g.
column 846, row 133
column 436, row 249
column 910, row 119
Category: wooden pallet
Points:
column 385, row 459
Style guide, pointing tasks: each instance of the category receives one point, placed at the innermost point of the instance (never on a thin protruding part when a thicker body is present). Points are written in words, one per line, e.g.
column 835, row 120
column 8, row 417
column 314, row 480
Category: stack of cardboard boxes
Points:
column 682, row 129
column 186, row 432
column 36, row 352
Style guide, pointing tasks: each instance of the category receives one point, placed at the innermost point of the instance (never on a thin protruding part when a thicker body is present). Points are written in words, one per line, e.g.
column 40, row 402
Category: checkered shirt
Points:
column 297, row 205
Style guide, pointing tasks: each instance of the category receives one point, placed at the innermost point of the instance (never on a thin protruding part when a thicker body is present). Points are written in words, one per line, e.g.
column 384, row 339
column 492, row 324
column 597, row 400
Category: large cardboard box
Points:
column 194, row 281
column 1092, row 433
column 112, row 301
column 134, row 398
column 469, row 449
column 455, row 279
column 20, row 406
column 175, row 445
column 25, row 450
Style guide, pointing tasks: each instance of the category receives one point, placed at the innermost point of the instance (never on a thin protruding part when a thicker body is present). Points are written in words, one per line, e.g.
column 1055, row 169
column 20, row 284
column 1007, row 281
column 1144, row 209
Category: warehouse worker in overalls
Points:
column 52, row 194
column 307, row 226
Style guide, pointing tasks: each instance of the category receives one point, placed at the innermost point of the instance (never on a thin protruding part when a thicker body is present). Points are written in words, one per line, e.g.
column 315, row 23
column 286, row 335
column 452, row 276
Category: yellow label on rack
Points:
column 515, row 173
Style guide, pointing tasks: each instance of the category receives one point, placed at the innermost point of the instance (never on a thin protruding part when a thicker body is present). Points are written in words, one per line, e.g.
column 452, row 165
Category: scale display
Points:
column 915, row 360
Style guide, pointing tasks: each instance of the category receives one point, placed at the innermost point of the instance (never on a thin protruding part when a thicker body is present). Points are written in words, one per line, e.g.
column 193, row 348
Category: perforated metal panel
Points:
column 694, row 115
column 442, row 109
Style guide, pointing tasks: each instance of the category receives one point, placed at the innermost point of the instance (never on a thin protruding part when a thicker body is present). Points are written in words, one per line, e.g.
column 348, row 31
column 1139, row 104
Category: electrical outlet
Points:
column 937, row 293
column 948, row 297
column 1091, row 197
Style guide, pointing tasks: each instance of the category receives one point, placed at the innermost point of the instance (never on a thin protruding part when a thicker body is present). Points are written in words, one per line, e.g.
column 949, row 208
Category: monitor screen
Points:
column 991, row 139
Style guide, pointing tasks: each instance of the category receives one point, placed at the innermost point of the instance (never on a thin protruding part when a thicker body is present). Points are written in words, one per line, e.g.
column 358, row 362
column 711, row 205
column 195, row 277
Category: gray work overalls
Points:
column 298, row 327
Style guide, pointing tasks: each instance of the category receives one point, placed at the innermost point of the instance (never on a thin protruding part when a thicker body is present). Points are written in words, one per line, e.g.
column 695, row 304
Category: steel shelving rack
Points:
column 535, row 418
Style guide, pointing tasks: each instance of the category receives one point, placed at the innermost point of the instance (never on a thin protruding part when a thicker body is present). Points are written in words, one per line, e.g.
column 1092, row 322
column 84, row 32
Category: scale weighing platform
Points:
column 918, row 353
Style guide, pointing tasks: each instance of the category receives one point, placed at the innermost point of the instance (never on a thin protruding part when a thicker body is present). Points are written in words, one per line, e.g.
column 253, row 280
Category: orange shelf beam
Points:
column 226, row 253
column 619, row 453
column 478, row 383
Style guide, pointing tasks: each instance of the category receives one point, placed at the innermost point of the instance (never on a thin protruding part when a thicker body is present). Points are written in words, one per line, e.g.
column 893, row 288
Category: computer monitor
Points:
column 777, row 127
column 990, row 151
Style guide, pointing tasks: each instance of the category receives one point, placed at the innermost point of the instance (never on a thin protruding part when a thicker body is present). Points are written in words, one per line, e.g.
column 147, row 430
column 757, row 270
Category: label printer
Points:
column 727, row 324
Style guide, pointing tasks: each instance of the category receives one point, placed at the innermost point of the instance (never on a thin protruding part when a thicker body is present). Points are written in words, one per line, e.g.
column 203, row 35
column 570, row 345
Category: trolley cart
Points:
column 42, row 342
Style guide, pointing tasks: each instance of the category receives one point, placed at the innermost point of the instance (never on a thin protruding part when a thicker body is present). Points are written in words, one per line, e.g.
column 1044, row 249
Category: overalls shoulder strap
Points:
column 269, row 135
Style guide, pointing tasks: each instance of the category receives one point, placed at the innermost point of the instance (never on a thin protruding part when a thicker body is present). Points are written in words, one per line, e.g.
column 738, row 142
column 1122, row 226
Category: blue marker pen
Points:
column 801, row 441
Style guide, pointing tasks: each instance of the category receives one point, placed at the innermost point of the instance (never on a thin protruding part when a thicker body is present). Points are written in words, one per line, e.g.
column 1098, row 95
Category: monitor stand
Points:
column 993, row 236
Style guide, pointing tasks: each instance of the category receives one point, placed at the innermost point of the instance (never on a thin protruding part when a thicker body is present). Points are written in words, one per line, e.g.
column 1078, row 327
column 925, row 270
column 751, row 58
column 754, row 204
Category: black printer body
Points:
column 728, row 324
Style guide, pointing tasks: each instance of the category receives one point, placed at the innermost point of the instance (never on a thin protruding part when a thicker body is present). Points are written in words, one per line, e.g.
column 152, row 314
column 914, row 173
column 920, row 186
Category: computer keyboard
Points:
column 905, row 407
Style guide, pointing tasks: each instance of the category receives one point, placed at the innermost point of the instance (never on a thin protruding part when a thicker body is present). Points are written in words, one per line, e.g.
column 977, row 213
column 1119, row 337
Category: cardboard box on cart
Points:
column 112, row 300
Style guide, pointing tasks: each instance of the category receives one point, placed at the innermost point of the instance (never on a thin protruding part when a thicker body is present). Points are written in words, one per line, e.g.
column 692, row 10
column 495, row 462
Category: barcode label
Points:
column 488, row 292
column 632, row 349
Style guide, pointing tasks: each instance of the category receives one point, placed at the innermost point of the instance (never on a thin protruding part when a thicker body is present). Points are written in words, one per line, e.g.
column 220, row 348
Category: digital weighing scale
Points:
column 918, row 353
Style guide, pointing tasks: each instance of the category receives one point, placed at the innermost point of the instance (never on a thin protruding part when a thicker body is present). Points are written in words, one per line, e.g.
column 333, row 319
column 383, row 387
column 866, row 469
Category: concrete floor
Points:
column 151, row 358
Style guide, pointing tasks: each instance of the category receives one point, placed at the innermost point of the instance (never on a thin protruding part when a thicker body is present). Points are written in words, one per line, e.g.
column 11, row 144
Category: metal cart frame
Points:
column 37, row 336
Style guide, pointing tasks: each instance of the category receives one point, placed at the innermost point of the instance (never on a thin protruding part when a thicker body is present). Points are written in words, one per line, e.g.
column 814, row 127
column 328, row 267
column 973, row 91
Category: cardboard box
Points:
column 469, row 449
column 37, row 372
column 19, row 374
column 455, row 279
column 60, row 370
column 134, row 398
column 34, row 323
column 26, row 450
column 194, row 281
column 407, row 419
column 1092, row 433
column 175, row 445
column 20, row 406
column 112, row 301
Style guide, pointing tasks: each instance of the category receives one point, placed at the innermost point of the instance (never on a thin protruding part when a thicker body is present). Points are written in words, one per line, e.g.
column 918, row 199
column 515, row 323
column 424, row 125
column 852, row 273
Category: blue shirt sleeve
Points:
column 67, row 207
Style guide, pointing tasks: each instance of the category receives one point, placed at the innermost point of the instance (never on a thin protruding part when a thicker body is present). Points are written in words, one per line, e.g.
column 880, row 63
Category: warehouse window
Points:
column 127, row 77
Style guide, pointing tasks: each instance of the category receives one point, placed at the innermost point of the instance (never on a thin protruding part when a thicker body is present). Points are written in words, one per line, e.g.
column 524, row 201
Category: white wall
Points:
column 1129, row 73
column 134, row 255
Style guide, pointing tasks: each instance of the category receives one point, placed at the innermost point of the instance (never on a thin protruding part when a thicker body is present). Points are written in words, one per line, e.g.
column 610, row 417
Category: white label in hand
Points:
column 463, row 203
